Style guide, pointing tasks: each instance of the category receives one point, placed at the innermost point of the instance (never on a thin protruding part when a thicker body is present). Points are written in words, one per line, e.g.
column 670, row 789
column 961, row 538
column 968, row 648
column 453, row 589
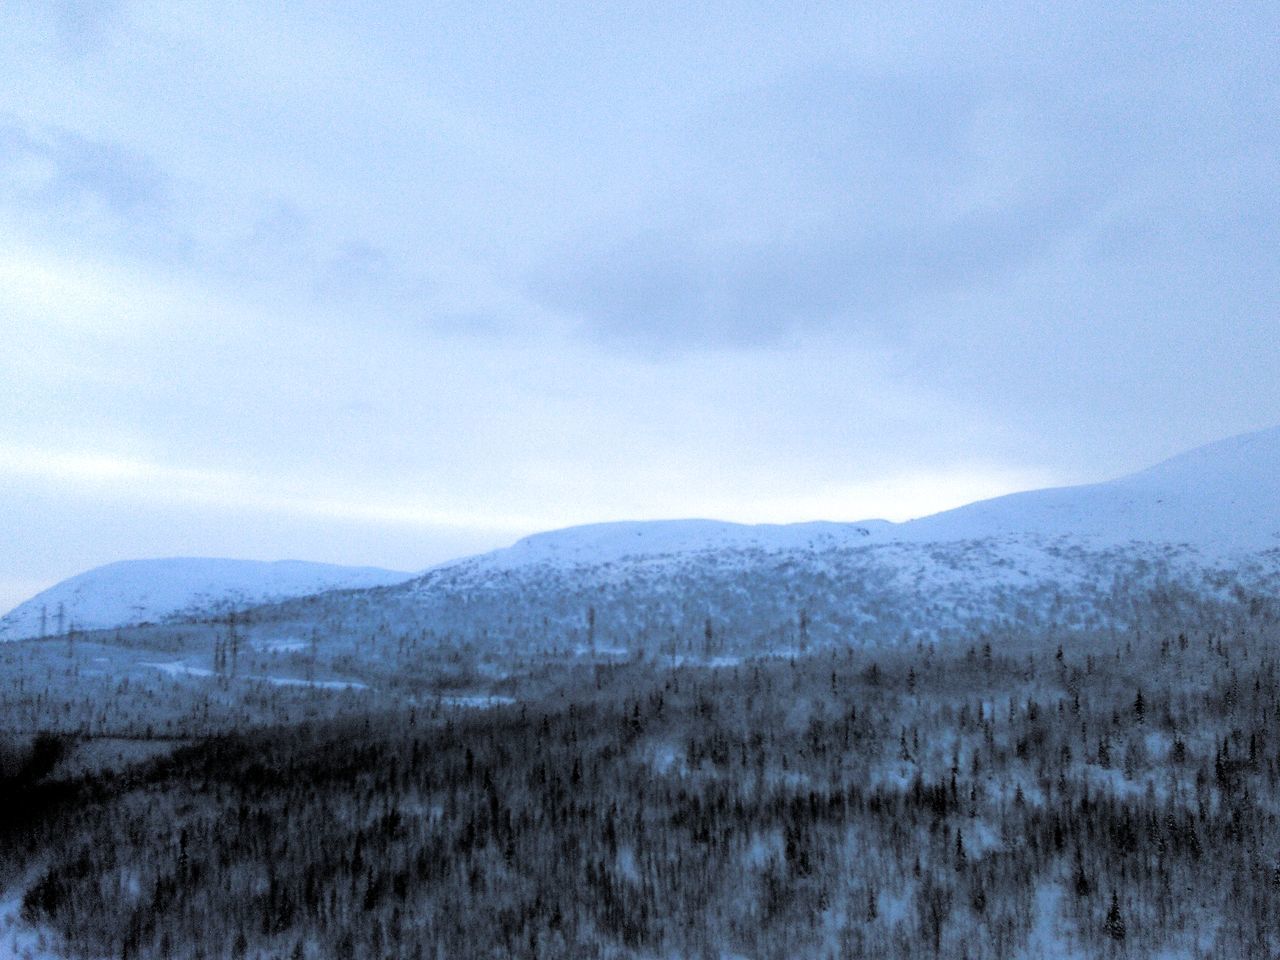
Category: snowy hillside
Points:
column 1209, row 514
column 1201, row 521
column 1221, row 499
column 137, row 591
column 612, row 542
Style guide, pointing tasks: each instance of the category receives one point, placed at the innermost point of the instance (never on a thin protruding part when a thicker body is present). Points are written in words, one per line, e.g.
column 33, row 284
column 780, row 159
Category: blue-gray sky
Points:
column 387, row 282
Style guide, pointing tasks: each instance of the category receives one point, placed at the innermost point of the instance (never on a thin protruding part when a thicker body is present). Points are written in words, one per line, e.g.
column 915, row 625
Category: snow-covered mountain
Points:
column 1208, row 519
column 1206, row 523
column 1220, row 500
column 138, row 591
column 600, row 543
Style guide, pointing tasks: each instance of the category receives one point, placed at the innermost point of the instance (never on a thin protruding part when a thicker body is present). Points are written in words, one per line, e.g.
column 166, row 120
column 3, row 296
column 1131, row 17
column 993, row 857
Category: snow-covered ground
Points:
column 1211, row 506
column 1219, row 499
column 1205, row 517
column 138, row 591
column 1211, row 510
column 475, row 701
column 179, row 669
column 18, row 939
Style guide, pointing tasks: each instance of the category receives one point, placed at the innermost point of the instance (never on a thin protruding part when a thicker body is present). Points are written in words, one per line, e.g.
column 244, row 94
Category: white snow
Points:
column 282, row 646
column 611, row 542
column 177, row 669
column 139, row 591
column 1051, row 937
column 476, row 701
column 180, row 669
column 18, row 940
column 1221, row 498
column 1213, row 507
column 315, row 684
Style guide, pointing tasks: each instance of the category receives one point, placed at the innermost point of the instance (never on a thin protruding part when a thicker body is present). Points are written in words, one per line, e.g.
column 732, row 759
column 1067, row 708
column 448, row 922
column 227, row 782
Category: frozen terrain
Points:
column 1195, row 520
column 138, row 591
column 1205, row 522
column 1222, row 499
column 689, row 738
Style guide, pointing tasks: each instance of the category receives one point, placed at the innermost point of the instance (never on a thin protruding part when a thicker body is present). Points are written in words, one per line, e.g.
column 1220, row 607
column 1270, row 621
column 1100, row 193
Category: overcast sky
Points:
column 386, row 282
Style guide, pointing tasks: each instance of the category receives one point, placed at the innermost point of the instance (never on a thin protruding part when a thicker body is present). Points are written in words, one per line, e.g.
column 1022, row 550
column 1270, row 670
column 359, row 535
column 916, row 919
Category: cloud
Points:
column 847, row 199
column 82, row 26
column 103, row 199
column 84, row 192
column 840, row 215
column 140, row 479
column 555, row 268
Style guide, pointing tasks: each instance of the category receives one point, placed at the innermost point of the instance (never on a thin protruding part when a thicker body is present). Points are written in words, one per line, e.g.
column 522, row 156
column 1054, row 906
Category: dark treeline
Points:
column 1059, row 796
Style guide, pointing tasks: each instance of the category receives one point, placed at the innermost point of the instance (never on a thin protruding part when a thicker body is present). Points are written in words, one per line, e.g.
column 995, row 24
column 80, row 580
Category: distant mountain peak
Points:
column 1217, row 505
column 1221, row 497
column 137, row 591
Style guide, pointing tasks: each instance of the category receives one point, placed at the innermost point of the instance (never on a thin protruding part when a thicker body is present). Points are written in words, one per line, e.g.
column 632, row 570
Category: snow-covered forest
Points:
column 685, row 739
column 1020, row 794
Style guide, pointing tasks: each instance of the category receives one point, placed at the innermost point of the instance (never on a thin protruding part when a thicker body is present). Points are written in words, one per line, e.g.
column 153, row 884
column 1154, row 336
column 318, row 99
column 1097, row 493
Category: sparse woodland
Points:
column 1079, row 793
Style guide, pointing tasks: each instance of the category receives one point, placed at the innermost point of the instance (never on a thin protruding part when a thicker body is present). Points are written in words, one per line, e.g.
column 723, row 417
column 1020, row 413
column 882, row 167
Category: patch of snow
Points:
column 317, row 684
column 281, row 645
column 177, row 668
column 184, row 669
column 19, row 940
column 583, row 650
column 716, row 663
column 476, row 701
column 1050, row 937
column 665, row 756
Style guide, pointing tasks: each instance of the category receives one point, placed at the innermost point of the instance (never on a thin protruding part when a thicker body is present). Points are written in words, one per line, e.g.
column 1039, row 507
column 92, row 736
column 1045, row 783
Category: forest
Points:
column 1018, row 793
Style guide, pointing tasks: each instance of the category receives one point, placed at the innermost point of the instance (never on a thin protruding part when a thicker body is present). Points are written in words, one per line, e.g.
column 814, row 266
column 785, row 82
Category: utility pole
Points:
column 44, row 619
column 234, row 639
column 62, row 619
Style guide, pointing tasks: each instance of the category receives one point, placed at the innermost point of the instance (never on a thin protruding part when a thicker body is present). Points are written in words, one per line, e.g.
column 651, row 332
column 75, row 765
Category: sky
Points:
column 390, row 282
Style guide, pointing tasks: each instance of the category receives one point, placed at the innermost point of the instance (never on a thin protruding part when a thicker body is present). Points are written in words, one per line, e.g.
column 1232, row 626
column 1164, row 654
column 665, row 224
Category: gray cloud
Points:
column 726, row 258
column 834, row 199
column 56, row 171
column 83, row 25
column 93, row 194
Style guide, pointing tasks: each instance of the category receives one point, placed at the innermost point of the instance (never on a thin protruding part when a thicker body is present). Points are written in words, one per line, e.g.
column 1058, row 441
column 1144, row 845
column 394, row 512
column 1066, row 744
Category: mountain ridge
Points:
column 127, row 592
column 1204, row 511
column 1141, row 508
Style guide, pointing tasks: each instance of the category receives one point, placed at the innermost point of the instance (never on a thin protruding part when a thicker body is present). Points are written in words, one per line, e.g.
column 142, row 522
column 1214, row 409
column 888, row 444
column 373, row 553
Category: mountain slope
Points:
column 1221, row 499
column 137, row 591
column 1199, row 521
column 613, row 542
column 1206, row 520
